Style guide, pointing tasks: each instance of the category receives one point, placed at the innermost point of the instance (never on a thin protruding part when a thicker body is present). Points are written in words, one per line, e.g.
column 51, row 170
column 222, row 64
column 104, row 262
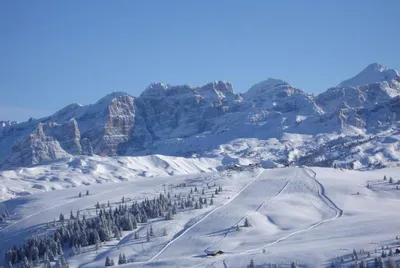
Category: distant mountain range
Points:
column 352, row 125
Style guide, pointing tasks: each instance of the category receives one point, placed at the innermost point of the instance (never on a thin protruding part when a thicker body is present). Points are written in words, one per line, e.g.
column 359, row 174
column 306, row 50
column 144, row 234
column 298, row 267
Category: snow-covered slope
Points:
column 84, row 170
column 312, row 216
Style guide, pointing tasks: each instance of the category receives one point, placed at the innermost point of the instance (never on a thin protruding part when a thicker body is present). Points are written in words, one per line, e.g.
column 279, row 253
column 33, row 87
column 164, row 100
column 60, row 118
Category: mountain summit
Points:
column 374, row 73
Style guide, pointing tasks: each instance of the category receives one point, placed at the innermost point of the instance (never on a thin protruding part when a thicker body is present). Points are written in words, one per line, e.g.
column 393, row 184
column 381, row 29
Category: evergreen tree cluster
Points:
column 79, row 231
column 36, row 249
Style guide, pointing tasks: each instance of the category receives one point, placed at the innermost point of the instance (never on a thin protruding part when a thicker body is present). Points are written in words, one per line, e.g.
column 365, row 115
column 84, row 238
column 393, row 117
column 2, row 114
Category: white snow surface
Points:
column 81, row 171
column 305, row 214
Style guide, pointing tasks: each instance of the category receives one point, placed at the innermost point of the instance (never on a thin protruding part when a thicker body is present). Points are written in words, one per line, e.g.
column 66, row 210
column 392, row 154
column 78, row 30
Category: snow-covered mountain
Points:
column 272, row 122
column 373, row 73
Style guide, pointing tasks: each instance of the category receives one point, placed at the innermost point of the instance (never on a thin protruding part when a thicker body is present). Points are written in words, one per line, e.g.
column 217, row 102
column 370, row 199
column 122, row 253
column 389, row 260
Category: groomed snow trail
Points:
column 323, row 196
column 300, row 183
column 201, row 220
column 242, row 218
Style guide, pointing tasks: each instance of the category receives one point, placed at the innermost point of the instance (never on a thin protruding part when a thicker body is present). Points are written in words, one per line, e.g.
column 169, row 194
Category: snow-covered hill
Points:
column 312, row 216
column 85, row 170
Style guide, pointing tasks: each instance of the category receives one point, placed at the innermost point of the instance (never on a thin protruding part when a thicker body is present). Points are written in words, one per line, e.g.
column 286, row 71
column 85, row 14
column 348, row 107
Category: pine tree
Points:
column 26, row 263
column 247, row 223
column 383, row 255
column 202, row 192
column 251, row 265
column 71, row 215
column 390, row 180
column 148, row 236
column 80, row 194
column 195, row 189
column 390, row 253
column 151, row 230
column 136, row 236
column 61, row 218
column 237, row 227
column 294, row 265
column 380, row 263
column 120, row 260
column 211, row 202
column 165, row 233
column 384, row 177
column 216, row 191
column 87, row 192
column 355, row 254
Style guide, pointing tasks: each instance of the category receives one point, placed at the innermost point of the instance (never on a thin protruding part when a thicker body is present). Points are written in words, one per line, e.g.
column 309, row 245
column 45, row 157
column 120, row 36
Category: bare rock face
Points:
column 67, row 135
column 36, row 148
column 177, row 111
column 113, row 125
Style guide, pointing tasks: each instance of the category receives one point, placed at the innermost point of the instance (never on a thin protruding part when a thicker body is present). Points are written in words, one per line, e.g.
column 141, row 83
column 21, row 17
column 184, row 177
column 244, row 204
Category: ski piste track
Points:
column 305, row 171
column 339, row 213
column 199, row 221
column 323, row 196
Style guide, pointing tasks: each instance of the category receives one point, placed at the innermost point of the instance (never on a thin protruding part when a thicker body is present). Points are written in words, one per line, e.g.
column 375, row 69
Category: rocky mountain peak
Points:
column 221, row 86
column 111, row 97
column 155, row 90
column 373, row 73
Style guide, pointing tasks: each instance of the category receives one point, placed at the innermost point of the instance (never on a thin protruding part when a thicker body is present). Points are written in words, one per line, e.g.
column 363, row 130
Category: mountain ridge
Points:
column 186, row 120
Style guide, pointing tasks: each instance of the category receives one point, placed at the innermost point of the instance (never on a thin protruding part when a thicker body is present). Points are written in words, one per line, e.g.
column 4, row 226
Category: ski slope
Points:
column 308, row 215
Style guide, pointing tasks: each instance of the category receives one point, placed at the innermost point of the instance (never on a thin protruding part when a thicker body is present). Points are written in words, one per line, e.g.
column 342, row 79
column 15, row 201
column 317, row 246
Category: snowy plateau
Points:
column 186, row 176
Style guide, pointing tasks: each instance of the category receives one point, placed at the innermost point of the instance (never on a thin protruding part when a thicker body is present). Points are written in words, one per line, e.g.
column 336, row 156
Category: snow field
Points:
column 308, row 215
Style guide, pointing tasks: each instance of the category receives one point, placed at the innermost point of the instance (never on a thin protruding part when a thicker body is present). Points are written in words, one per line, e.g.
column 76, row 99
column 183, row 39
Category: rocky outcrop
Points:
column 36, row 148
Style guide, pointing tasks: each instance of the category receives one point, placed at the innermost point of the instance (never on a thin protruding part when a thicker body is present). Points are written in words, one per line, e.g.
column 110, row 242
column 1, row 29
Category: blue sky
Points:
column 53, row 53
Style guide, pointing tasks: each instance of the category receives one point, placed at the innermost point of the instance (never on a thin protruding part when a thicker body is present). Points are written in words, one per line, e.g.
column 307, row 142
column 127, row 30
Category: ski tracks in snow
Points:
column 257, row 209
column 321, row 192
column 201, row 220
